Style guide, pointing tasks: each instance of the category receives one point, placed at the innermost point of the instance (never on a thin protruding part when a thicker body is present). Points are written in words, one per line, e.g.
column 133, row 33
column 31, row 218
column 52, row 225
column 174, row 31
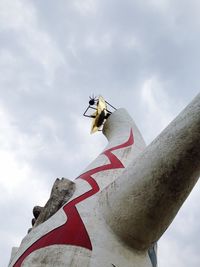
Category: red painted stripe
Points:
column 73, row 232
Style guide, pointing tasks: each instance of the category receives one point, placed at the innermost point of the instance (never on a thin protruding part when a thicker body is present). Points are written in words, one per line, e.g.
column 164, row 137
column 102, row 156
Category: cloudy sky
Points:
column 142, row 55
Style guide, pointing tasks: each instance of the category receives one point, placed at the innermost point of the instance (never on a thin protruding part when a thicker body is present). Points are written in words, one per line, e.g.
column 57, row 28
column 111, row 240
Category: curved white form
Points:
column 124, row 200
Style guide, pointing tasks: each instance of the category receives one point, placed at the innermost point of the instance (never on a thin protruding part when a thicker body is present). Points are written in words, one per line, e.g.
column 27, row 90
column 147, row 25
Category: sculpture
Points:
column 117, row 209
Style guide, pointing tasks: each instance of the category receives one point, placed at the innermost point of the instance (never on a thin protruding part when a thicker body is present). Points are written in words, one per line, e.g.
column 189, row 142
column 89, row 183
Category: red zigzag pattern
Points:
column 73, row 232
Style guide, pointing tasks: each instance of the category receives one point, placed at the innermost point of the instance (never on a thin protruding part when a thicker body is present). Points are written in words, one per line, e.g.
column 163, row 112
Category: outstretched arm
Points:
column 143, row 201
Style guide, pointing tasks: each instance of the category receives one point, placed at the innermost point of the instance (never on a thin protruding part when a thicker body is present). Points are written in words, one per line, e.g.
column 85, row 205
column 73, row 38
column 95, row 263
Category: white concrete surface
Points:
column 125, row 199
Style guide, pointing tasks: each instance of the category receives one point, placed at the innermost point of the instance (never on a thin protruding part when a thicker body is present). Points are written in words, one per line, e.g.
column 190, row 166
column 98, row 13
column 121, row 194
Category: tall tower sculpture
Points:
column 113, row 214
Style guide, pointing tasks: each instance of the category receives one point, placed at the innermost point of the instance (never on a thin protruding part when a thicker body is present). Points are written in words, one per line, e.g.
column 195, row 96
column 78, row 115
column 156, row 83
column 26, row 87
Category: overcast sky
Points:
column 141, row 55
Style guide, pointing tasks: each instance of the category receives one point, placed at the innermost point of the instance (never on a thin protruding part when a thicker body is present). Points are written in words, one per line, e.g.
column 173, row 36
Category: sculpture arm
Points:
column 143, row 201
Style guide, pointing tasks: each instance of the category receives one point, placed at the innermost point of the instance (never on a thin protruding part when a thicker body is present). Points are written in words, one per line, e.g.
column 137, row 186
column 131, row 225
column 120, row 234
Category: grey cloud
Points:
column 112, row 49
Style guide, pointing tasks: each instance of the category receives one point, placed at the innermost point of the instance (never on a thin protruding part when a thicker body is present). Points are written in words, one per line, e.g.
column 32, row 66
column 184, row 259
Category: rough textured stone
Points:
column 36, row 211
column 61, row 192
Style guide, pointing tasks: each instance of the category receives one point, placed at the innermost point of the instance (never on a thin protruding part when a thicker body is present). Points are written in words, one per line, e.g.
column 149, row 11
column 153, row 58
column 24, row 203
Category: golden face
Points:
column 99, row 115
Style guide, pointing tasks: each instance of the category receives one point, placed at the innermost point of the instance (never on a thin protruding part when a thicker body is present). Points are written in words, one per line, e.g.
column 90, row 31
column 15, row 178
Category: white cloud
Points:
column 21, row 17
column 86, row 7
column 162, row 5
column 14, row 15
column 157, row 111
column 99, row 43
column 135, row 53
column 22, row 186
column 15, row 149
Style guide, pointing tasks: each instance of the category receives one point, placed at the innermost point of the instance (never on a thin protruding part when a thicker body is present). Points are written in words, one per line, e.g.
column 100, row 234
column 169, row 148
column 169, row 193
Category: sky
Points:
column 140, row 55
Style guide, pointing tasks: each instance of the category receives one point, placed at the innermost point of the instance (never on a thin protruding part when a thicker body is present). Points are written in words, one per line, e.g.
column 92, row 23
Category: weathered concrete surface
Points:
column 141, row 204
column 125, row 144
column 124, row 200
column 62, row 191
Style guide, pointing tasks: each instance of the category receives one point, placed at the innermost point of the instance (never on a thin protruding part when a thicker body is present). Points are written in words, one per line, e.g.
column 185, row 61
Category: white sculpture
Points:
column 124, row 201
